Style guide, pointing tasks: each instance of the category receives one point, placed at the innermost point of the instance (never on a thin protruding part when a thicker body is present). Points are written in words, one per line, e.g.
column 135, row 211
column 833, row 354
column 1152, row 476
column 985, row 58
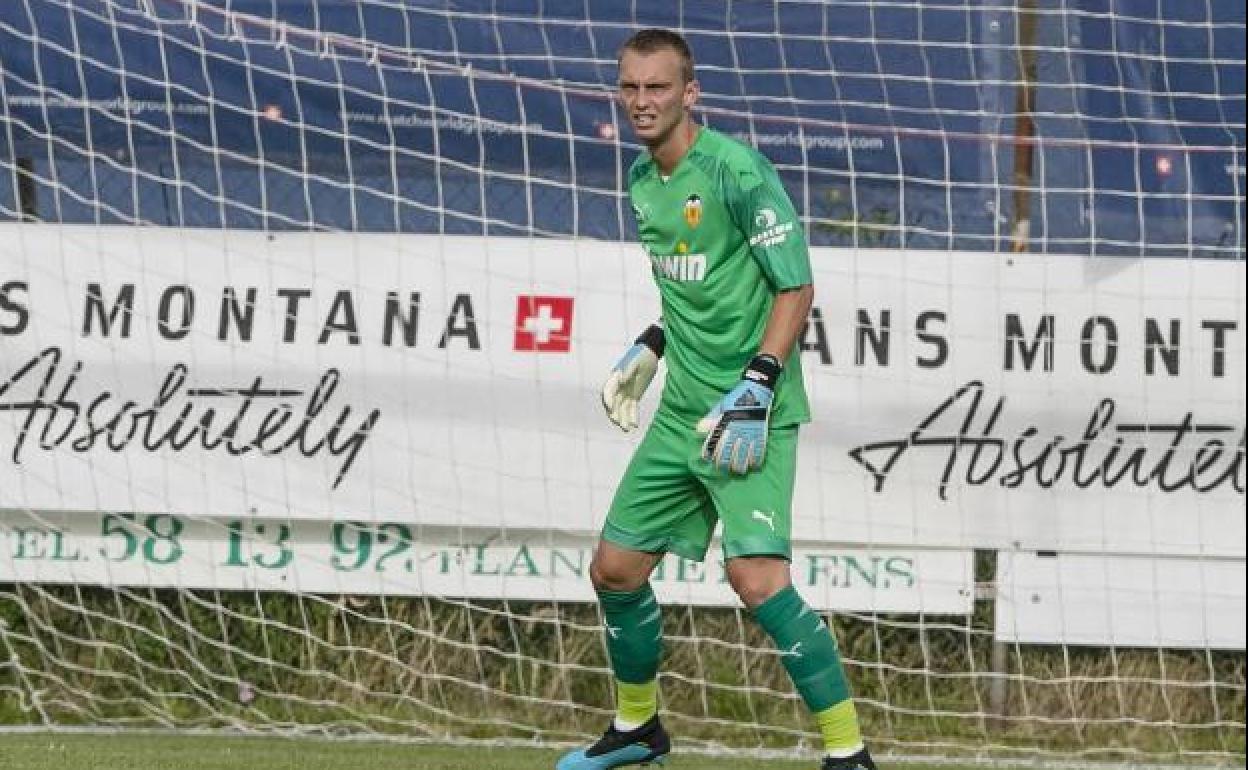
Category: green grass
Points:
column 47, row 751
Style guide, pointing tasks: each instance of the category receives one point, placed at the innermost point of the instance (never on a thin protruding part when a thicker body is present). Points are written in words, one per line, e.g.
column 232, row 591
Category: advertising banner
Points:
column 393, row 558
column 960, row 399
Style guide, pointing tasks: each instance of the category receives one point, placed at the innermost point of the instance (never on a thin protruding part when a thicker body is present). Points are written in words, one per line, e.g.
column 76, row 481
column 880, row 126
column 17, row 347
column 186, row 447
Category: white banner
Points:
column 394, row 558
column 1126, row 601
column 961, row 399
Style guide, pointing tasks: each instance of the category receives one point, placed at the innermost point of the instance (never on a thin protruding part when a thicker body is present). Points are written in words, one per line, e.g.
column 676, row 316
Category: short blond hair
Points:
column 656, row 39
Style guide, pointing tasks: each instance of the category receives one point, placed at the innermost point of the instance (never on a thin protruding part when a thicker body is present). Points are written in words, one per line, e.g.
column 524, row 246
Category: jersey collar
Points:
column 680, row 164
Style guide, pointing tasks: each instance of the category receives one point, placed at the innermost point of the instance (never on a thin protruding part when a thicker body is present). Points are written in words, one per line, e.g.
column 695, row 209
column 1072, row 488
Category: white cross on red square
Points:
column 544, row 324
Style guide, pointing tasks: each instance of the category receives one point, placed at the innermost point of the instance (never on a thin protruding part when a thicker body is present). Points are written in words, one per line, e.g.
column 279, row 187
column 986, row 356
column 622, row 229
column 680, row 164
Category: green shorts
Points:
column 670, row 498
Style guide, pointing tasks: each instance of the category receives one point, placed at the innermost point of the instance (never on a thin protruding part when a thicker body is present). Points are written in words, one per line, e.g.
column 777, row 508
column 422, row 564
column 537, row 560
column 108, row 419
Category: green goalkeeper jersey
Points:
column 723, row 239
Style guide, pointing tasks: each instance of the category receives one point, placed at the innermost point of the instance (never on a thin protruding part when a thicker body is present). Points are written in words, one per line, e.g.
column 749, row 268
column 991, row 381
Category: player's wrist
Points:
column 764, row 369
column 653, row 338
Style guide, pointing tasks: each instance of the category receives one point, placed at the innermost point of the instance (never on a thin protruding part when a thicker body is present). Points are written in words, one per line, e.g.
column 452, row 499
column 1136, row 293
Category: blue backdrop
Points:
column 897, row 117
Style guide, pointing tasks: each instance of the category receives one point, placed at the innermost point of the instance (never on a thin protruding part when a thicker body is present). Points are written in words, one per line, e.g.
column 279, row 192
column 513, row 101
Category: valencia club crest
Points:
column 693, row 210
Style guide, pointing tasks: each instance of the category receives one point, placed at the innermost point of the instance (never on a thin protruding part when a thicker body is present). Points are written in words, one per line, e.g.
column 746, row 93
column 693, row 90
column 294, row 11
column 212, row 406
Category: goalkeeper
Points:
column 733, row 272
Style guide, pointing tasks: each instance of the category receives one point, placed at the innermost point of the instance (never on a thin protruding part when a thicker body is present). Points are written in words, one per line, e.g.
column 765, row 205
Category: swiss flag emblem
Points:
column 544, row 324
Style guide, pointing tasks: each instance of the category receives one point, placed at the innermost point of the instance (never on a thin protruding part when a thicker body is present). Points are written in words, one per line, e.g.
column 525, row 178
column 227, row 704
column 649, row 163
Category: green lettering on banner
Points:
column 159, row 546
column 815, row 568
column 33, row 543
column 478, row 564
column 119, row 524
column 284, row 554
column 162, row 547
column 350, row 539
column 58, row 548
column 234, row 557
column 390, row 547
column 523, row 557
column 401, row 535
column 846, row 570
column 234, row 545
column 852, row 565
column 558, row 555
column 901, row 567
column 23, row 537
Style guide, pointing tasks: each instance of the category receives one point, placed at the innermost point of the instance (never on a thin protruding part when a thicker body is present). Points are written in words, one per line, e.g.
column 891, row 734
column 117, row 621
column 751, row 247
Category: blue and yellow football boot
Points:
column 647, row 745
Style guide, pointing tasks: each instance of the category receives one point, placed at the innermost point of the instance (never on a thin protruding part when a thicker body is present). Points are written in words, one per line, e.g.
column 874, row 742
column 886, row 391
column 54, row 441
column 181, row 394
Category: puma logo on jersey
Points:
column 795, row 651
column 680, row 267
column 767, row 518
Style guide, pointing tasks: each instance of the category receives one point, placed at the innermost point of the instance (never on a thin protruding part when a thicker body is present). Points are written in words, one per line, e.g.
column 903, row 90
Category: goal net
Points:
column 304, row 308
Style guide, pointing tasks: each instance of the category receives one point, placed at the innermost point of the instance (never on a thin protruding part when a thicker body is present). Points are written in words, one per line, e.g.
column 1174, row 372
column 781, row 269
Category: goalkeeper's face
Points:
column 655, row 94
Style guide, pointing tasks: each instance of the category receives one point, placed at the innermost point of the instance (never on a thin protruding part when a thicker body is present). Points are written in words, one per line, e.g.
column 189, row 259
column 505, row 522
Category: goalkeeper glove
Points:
column 736, row 427
column 630, row 377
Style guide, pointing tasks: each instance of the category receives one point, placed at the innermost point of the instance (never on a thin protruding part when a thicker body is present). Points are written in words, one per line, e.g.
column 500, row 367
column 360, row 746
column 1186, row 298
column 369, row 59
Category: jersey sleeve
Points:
column 762, row 209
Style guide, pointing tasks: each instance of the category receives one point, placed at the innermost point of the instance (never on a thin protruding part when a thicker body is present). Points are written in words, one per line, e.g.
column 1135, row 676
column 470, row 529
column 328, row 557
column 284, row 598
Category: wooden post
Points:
column 1024, row 125
column 26, row 199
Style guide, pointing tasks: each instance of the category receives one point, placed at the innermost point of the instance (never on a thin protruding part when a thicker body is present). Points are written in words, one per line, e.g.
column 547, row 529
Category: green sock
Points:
column 839, row 725
column 810, row 654
column 634, row 644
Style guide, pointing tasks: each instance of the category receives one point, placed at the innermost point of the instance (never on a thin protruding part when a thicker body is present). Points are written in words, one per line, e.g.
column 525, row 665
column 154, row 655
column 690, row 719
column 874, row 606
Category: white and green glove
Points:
column 630, row 377
column 736, row 427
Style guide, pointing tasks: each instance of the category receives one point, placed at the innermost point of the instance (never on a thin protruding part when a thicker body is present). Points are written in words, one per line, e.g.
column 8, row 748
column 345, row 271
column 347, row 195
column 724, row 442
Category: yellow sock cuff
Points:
column 839, row 726
column 636, row 703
